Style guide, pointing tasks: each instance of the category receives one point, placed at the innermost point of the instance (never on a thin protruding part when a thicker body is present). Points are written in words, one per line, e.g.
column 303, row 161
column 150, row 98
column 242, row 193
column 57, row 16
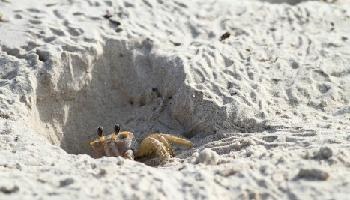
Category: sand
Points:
column 262, row 89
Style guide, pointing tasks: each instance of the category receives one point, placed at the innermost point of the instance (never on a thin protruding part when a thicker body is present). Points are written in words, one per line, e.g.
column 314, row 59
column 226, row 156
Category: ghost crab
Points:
column 115, row 144
column 119, row 144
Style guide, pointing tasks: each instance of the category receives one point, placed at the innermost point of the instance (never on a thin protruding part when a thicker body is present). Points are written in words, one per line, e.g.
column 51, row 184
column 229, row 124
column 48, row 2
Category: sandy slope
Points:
column 267, row 107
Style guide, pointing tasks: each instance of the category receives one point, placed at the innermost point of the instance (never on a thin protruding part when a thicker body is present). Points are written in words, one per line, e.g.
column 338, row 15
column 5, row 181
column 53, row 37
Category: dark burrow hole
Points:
column 76, row 97
column 42, row 56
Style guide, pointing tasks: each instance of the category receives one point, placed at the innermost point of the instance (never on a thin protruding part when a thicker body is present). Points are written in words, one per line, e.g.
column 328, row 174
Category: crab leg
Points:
column 166, row 144
column 150, row 146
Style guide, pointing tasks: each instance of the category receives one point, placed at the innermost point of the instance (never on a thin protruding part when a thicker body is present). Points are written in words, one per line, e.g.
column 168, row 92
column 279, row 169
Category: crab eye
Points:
column 116, row 128
column 100, row 131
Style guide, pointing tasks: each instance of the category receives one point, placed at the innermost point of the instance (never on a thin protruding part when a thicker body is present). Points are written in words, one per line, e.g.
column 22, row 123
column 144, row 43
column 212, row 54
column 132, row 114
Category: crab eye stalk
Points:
column 100, row 131
column 116, row 128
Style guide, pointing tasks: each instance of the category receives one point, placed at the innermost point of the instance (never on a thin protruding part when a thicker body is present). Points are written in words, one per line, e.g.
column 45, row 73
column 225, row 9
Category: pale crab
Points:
column 119, row 144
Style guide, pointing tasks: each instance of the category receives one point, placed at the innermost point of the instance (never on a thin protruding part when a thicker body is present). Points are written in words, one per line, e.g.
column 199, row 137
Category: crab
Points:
column 115, row 144
column 153, row 145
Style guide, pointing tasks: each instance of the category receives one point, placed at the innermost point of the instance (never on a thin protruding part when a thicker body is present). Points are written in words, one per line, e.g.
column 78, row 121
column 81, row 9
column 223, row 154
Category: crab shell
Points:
column 124, row 141
column 113, row 145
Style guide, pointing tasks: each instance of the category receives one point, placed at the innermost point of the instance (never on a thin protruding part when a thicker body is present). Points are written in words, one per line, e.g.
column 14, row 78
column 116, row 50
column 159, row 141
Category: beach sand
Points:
column 261, row 88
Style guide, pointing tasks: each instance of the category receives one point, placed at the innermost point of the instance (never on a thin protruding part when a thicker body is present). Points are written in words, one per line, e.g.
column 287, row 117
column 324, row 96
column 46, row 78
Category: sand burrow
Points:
column 128, row 83
column 132, row 83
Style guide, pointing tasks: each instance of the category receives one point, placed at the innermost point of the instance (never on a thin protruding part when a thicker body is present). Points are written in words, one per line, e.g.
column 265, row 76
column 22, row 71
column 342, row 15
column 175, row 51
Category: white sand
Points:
column 267, row 108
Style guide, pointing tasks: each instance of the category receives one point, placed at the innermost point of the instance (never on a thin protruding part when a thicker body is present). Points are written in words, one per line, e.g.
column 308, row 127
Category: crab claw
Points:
column 100, row 131
column 116, row 128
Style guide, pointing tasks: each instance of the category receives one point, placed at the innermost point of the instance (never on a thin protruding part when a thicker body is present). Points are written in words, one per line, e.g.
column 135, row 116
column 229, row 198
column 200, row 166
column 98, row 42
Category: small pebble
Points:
column 208, row 157
column 118, row 30
column 225, row 36
column 101, row 173
column 324, row 153
column 18, row 166
column 270, row 138
column 313, row 174
column 66, row 182
column 115, row 22
column 10, row 190
column 107, row 15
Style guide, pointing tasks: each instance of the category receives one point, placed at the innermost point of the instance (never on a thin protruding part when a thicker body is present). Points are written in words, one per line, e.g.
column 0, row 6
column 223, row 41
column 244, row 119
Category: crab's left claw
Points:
column 129, row 154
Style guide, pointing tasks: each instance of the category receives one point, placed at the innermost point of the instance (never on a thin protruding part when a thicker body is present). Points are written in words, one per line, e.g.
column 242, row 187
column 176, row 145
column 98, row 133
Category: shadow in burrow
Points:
column 113, row 94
